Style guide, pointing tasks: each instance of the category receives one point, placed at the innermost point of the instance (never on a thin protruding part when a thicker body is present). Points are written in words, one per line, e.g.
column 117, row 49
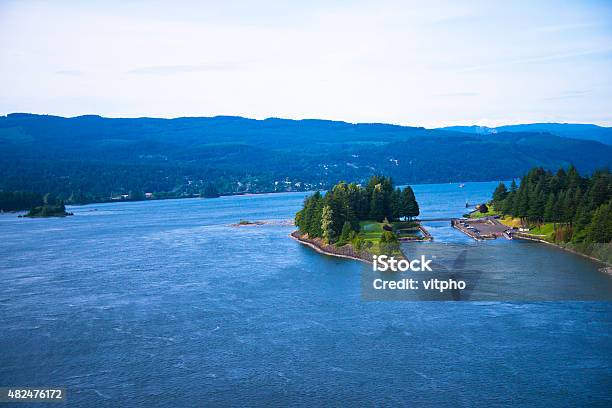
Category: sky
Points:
column 431, row 64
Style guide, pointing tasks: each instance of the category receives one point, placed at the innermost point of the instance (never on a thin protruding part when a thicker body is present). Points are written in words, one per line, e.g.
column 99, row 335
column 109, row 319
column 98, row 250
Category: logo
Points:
column 384, row 263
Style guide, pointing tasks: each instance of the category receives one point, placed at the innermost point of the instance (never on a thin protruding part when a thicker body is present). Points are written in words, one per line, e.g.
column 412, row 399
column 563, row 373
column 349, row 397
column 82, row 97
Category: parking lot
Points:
column 481, row 228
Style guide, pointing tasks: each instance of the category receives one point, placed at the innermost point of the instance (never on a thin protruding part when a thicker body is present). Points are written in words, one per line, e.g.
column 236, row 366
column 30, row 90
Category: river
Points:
column 163, row 303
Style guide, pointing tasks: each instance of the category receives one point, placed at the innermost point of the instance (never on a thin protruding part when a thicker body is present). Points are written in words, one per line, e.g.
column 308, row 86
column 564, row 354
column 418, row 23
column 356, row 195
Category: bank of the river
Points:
column 546, row 237
column 529, row 237
column 345, row 251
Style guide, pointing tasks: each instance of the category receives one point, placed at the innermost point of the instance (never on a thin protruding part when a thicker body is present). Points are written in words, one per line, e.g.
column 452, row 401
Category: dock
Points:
column 407, row 234
column 482, row 228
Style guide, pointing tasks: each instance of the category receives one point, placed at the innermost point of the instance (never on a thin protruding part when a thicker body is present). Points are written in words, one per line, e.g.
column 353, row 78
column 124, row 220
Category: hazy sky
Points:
column 417, row 63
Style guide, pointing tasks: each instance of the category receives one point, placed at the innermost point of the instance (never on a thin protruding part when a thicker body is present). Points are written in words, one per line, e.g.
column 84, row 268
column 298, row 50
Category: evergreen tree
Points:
column 567, row 207
column 600, row 229
column 345, row 235
column 377, row 204
column 558, row 208
column 409, row 205
column 581, row 223
column 396, row 204
column 513, row 186
column 521, row 205
column 549, row 208
column 599, row 189
column 580, row 204
column 499, row 194
column 508, row 204
column 388, row 242
column 336, row 215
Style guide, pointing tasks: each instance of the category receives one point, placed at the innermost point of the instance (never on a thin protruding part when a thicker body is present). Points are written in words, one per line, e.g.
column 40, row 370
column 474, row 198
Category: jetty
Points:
column 482, row 228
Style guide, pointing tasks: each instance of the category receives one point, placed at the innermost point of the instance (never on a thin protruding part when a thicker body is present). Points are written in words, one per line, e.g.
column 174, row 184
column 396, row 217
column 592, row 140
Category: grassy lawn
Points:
column 371, row 231
column 407, row 229
column 489, row 213
column 544, row 229
column 511, row 222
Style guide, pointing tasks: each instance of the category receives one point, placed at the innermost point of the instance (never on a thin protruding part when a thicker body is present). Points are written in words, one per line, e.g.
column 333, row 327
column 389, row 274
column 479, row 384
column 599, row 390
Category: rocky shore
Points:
column 346, row 251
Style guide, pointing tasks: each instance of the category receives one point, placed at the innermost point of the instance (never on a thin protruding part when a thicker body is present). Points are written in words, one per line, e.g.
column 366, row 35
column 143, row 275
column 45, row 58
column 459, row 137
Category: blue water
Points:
column 164, row 304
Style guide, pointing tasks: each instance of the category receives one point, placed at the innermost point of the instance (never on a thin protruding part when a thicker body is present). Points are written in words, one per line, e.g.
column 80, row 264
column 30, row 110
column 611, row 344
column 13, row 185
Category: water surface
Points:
column 164, row 304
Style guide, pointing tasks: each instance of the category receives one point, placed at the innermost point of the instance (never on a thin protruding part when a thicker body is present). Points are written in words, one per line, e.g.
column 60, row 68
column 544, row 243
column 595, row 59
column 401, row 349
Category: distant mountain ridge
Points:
column 96, row 157
column 569, row 130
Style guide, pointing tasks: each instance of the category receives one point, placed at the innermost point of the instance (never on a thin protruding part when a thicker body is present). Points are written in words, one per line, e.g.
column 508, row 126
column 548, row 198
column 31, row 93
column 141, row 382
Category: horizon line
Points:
column 462, row 124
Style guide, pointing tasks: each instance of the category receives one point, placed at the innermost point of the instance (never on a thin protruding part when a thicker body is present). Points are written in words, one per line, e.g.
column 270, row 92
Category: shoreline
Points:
column 108, row 201
column 314, row 245
column 606, row 265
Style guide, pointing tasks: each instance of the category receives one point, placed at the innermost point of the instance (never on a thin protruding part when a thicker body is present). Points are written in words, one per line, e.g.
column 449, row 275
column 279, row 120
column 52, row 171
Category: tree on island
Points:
column 388, row 242
column 335, row 216
column 52, row 207
column 347, row 233
column 327, row 224
column 377, row 204
column 409, row 206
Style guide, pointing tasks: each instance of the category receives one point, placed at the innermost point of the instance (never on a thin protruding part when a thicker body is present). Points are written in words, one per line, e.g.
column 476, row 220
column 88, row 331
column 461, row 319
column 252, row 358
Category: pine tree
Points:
column 499, row 194
column 409, row 205
column 582, row 220
column 599, row 190
column 377, row 204
column 345, row 235
column 549, row 209
column 600, row 229
column 558, row 208
column 567, row 207
column 522, row 201
column 387, row 191
column 508, row 204
column 513, row 186
column 396, row 205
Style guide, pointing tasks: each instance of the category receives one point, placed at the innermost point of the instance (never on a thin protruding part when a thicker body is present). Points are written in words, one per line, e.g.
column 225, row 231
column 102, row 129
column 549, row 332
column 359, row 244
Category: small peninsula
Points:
column 358, row 222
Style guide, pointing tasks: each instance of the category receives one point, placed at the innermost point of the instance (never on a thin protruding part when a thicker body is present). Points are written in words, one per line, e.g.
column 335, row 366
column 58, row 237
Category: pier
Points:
column 482, row 228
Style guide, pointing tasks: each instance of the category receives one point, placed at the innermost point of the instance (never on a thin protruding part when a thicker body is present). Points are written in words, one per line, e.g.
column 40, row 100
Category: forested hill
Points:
column 571, row 130
column 91, row 157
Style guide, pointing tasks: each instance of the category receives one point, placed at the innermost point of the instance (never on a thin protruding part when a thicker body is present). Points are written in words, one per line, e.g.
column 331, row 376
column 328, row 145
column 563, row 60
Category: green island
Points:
column 355, row 221
column 51, row 207
column 564, row 209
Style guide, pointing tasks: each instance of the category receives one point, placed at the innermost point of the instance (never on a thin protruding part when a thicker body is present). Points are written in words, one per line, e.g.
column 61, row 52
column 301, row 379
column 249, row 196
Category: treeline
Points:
column 335, row 216
column 580, row 208
column 26, row 200
column 19, row 200
column 36, row 204
column 104, row 158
